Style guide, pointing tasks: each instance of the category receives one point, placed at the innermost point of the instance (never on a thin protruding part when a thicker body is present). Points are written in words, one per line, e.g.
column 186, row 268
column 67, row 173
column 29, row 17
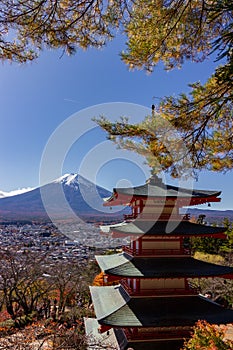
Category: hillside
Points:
column 69, row 194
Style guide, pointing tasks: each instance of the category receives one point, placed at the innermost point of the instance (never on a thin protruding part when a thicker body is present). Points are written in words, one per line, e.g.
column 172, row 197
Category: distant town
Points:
column 81, row 241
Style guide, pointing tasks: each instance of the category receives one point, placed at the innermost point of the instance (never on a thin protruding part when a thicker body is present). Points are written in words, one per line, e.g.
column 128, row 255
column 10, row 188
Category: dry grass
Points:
column 211, row 258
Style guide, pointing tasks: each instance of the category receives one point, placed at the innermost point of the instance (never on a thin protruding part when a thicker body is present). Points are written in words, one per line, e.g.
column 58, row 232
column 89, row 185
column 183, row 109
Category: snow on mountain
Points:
column 77, row 182
column 69, row 193
column 62, row 179
column 72, row 180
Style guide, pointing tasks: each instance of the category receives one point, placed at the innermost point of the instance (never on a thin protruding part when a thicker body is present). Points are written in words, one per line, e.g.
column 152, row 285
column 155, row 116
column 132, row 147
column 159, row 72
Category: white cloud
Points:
column 4, row 194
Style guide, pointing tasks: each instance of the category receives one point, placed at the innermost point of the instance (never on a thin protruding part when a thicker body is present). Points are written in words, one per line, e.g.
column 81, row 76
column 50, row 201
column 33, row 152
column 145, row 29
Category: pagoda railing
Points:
column 129, row 216
column 157, row 217
column 154, row 252
column 126, row 286
column 158, row 333
column 158, row 292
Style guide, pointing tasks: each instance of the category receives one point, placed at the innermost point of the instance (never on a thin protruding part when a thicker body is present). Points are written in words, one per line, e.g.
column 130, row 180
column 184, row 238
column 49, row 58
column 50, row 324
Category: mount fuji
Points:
column 69, row 195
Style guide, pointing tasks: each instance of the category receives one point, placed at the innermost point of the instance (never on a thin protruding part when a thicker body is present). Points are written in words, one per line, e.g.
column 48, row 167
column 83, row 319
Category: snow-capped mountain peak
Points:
column 74, row 180
column 62, row 178
column 68, row 179
column 60, row 199
column 71, row 179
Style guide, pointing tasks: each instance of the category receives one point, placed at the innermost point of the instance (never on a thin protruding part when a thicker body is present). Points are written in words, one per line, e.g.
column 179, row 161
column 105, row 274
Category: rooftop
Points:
column 154, row 187
column 114, row 307
column 168, row 228
column 125, row 265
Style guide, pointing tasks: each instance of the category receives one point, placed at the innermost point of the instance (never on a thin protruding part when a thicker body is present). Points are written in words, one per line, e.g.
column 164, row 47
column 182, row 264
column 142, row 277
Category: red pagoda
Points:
column 152, row 304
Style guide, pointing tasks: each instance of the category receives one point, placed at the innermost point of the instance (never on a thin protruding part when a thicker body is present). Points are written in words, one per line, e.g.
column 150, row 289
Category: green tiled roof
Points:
column 118, row 311
column 165, row 191
column 154, row 187
column 171, row 228
column 125, row 265
column 108, row 300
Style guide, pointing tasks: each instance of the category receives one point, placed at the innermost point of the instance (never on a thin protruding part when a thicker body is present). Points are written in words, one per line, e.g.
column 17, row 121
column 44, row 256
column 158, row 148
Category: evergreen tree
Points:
column 170, row 32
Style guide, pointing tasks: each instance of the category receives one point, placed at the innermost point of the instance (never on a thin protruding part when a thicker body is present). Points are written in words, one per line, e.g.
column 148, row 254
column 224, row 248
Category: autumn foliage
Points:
column 208, row 337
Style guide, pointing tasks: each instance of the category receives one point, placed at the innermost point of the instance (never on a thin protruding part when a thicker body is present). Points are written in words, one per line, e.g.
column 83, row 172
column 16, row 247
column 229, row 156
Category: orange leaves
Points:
column 99, row 279
column 4, row 315
column 104, row 280
column 208, row 337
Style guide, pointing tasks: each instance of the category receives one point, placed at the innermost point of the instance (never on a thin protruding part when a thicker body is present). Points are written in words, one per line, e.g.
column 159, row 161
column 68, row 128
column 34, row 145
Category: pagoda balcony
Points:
column 156, row 252
column 129, row 217
column 158, row 333
column 157, row 217
column 158, row 292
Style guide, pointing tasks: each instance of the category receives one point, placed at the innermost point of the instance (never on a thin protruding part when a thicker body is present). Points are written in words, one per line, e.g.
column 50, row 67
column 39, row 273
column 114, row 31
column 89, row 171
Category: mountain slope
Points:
column 70, row 192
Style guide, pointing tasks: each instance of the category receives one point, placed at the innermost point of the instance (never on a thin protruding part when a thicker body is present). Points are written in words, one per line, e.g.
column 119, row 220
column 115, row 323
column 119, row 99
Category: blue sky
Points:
column 36, row 98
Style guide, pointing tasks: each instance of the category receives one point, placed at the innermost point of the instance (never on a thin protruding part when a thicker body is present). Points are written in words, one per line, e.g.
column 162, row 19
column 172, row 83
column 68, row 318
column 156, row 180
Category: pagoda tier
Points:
column 138, row 228
column 157, row 190
column 123, row 265
column 115, row 308
column 158, row 276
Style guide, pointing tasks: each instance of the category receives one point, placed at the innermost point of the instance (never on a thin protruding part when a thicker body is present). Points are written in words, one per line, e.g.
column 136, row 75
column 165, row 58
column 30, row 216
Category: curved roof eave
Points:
column 124, row 265
column 161, row 311
column 186, row 228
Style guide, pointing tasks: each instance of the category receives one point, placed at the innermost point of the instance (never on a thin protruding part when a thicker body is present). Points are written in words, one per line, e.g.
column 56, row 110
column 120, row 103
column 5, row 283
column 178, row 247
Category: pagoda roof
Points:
column 167, row 228
column 114, row 308
column 125, row 265
column 156, row 188
column 166, row 191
